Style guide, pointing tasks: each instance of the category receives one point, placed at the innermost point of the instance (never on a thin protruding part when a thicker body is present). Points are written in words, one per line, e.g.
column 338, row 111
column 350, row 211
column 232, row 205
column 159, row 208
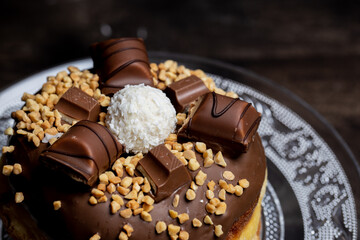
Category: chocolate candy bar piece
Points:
column 185, row 91
column 84, row 152
column 223, row 123
column 75, row 104
column 164, row 171
column 120, row 62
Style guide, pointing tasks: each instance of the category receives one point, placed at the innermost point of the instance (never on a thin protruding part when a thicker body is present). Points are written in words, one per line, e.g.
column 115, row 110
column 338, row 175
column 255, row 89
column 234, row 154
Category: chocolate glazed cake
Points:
column 69, row 175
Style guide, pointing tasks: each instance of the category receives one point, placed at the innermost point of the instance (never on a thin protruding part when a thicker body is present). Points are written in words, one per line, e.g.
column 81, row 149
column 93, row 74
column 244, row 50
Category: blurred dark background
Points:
column 310, row 47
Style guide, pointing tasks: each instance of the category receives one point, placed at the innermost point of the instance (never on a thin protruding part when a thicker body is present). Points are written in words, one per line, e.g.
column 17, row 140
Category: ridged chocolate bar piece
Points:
column 164, row 171
column 223, row 123
column 185, row 91
column 84, row 152
column 75, row 104
column 120, row 62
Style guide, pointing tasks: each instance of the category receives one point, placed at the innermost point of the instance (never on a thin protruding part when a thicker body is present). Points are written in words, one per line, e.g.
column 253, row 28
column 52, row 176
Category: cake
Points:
column 132, row 150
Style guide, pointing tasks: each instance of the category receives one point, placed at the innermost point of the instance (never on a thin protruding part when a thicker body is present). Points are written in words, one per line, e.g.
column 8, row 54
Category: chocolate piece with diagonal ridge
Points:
column 75, row 104
column 84, row 152
column 223, row 123
column 164, row 171
column 120, row 62
column 185, row 91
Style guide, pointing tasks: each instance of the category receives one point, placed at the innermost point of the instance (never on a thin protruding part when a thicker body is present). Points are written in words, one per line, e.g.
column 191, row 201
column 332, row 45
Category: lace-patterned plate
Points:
column 312, row 173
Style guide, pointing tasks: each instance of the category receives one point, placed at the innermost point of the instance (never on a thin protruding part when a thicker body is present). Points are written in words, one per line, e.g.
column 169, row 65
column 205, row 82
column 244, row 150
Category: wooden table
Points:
column 311, row 48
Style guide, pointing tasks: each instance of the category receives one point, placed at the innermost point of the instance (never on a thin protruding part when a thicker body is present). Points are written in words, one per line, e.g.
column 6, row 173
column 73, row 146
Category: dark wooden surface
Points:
column 309, row 47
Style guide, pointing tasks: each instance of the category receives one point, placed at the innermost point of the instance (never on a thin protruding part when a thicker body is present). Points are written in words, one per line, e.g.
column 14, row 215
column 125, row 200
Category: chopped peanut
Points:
column 200, row 178
column 190, row 194
column 146, row 216
column 175, row 202
column 92, row 200
column 19, row 197
column 211, row 185
column 9, row 131
column 183, row 218
column 244, row 183
column 7, row 170
column 218, row 230
column 238, row 190
column 207, row 220
column 173, row 229
column 123, row 236
column 209, row 194
column 96, row 236
column 196, row 223
column 8, row 149
column 193, row 164
column 126, row 213
column 183, row 235
column 220, row 208
column 200, row 147
column 219, row 159
column 173, row 214
column 228, row 175
column 57, row 205
column 160, row 227
column 129, row 230
column 222, row 194
column 115, row 207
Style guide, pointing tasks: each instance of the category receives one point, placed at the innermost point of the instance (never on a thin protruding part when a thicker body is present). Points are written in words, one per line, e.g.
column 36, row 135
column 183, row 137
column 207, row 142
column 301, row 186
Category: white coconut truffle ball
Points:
column 141, row 117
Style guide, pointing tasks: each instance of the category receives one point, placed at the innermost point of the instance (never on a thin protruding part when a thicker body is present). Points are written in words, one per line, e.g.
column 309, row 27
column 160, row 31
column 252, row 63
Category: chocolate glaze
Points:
column 185, row 91
column 165, row 172
column 76, row 219
column 78, row 105
column 84, row 152
column 120, row 62
column 223, row 123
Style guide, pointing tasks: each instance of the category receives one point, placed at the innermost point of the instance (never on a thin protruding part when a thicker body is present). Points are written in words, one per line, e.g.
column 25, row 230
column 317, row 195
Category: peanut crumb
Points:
column 126, row 213
column 146, row 216
column 211, row 185
column 57, row 205
column 200, row 147
column 96, row 236
column 183, row 218
column 160, row 227
column 209, row 194
column 207, row 220
column 238, row 190
column 222, row 194
column 219, row 159
column 183, row 235
column 92, row 200
column 190, row 194
column 19, row 197
column 220, row 208
column 131, row 195
column 244, row 183
column 193, row 164
column 129, row 230
column 175, row 202
column 200, row 178
column 8, row 149
column 7, row 170
column 196, row 223
column 173, row 214
column 173, row 229
column 228, row 175
column 9, row 131
column 123, row 236
column 218, row 230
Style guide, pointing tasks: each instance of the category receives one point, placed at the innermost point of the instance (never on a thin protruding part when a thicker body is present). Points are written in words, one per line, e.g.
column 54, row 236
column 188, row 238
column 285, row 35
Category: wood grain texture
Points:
column 309, row 47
